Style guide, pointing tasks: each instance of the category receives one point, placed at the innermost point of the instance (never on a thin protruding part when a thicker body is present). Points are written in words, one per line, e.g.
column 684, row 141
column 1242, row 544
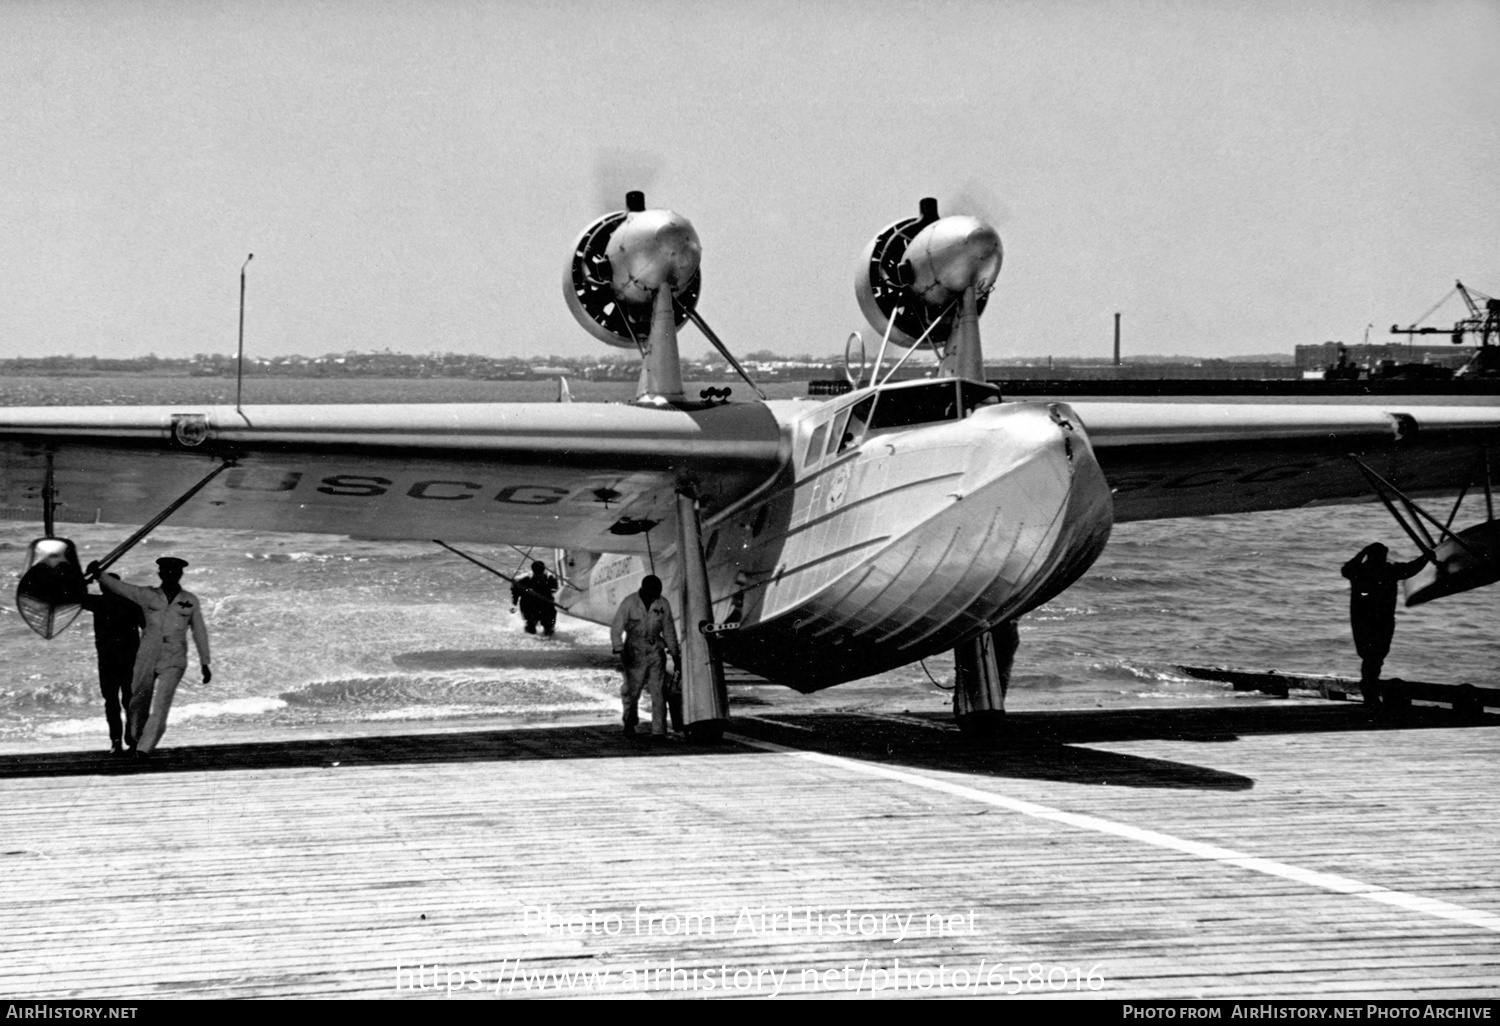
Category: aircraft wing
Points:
column 1167, row 460
column 567, row 475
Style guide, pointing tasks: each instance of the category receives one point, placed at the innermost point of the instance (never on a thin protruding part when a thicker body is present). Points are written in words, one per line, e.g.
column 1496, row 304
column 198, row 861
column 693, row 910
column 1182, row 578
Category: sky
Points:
column 1233, row 178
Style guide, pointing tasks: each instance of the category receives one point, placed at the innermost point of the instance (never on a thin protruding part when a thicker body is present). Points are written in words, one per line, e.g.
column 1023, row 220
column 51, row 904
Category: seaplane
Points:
column 810, row 542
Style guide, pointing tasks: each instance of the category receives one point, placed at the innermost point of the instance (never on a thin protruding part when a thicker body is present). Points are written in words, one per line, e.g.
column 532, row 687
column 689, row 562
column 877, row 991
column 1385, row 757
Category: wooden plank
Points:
column 300, row 866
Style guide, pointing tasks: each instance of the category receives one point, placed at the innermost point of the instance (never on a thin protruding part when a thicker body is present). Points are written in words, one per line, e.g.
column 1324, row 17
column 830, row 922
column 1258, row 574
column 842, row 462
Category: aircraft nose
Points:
column 1015, row 433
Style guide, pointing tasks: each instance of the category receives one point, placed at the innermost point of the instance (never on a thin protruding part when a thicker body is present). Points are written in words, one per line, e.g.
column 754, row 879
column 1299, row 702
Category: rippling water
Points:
column 316, row 631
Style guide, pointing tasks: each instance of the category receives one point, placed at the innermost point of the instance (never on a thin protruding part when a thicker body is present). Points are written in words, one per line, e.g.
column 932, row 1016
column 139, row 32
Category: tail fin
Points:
column 563, row 393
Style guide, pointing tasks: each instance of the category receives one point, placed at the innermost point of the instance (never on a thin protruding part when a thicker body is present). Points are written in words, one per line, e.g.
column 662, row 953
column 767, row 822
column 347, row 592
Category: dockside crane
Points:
column 1483, row 323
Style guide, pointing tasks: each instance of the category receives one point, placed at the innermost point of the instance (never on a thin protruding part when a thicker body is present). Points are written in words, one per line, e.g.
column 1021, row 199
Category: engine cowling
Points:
column 622, row 261
column 917, row 270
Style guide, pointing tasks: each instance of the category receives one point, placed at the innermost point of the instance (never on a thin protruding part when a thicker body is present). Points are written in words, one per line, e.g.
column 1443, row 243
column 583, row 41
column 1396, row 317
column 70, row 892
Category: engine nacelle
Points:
column 921, row 266
column 620, row 264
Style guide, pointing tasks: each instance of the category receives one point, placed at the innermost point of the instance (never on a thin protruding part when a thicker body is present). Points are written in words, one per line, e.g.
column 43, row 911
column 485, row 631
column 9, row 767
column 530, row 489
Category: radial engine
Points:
column 923, row 282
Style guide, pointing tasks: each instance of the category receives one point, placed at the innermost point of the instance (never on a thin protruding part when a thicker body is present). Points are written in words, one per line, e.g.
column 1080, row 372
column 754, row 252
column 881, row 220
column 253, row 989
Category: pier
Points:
column 1267, row 850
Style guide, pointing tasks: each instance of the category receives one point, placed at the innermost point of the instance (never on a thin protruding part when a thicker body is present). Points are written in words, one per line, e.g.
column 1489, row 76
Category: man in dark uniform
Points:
column 118, row 623
column 533, row 593
column 1372, row 611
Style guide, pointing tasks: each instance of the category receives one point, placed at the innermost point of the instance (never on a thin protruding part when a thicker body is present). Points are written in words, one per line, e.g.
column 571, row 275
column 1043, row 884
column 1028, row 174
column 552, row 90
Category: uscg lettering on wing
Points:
column 367, row 486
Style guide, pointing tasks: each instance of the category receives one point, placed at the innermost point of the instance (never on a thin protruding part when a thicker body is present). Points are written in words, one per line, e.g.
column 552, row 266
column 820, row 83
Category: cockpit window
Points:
column 924, row 404
column 975, row 395
column 837, row 431
column 859, row 417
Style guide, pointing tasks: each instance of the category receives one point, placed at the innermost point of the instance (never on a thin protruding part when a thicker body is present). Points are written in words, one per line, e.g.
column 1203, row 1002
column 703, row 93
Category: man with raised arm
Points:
column 1372, row 611
column 171, row 612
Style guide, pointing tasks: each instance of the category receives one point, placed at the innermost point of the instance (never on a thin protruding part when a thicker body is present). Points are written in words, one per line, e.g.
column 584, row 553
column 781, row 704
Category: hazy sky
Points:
column 1235, row 177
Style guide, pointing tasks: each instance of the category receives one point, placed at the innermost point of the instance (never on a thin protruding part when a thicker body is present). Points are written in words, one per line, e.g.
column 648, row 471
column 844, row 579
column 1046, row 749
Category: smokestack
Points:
column 1117, row 340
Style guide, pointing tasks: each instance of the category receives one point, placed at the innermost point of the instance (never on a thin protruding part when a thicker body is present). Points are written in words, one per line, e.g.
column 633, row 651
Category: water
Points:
column 313, row 633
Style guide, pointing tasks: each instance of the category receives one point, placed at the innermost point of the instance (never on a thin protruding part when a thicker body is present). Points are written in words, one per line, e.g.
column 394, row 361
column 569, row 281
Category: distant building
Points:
column 1318, row 357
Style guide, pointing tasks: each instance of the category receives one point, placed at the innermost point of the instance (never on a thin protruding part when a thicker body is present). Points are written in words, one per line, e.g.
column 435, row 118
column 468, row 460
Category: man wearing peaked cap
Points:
column 171, row 612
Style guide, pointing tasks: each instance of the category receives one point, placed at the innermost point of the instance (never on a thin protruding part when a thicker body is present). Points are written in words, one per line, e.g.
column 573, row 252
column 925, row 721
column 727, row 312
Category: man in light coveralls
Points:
column 642, row 635
column 161, row 661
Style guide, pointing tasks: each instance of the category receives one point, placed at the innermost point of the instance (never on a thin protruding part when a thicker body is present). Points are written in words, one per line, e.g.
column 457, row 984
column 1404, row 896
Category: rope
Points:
column 935, row 684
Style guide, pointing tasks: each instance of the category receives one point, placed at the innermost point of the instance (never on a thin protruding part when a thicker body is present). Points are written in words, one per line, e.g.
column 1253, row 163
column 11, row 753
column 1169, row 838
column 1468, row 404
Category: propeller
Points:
column 913, row 274
column 924, row 280
column 620, row 264
column 978, row 199
column 619, row 170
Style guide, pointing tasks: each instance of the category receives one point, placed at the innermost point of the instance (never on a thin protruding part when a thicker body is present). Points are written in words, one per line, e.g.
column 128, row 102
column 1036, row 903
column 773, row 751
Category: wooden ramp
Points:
column 1293, row 851
column 1465, row 699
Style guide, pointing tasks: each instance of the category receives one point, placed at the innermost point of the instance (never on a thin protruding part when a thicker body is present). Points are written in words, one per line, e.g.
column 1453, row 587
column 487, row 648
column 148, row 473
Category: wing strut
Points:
column 705, row 702
column 500, row 573
column 52, row 590
column 1458, row 562
column 1384, row 489
column 96, row 570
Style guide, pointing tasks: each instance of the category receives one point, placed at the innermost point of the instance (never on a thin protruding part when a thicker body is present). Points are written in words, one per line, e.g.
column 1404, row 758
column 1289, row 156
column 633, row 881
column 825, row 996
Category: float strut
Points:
column 155, row 522
column 501, row 574
column 49, row 501
column 705, row 701
column 1425, row 543
column 981, row 676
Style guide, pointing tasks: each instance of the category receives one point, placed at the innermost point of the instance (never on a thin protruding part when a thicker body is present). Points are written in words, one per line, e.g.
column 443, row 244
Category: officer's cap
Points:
column 171, row 563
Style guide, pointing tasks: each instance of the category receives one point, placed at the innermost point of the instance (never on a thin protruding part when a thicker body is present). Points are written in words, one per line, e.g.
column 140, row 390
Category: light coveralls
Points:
column 643, row 636
column 162, row 658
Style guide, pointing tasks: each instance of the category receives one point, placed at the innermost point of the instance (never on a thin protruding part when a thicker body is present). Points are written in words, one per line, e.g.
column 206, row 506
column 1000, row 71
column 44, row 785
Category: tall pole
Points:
column 239, row 364
column 1117, row 340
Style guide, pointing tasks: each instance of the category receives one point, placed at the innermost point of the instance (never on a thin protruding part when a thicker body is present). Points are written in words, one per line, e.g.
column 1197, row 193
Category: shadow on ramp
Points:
column 1033, row 746
column 1018, row 753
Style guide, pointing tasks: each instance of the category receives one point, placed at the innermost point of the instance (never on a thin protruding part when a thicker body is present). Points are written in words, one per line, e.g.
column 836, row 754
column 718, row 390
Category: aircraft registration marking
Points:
column 1098, row 824
column 368, row 486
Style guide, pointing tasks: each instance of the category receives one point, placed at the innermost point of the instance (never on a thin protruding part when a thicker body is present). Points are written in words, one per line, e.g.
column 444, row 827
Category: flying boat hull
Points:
column 919, row 541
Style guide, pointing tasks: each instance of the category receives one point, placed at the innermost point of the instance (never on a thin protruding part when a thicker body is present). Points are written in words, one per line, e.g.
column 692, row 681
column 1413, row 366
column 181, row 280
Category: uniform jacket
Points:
column 164, row 641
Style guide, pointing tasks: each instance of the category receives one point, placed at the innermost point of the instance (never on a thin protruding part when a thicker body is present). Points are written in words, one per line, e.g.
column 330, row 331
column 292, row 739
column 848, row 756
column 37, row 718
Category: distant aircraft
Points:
column 811, row 542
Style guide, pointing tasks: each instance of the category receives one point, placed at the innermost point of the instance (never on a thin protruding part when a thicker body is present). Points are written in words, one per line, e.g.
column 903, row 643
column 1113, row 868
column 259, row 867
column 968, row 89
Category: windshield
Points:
column 924, row 404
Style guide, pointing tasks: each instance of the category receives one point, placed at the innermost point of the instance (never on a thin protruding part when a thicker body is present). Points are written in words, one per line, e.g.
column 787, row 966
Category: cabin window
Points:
column 923, row 404
column 815, row 444
column 859, row 417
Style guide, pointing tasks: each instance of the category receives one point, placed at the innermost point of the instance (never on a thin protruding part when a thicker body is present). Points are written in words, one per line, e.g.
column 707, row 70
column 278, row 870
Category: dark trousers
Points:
column 115, row 671
column 1372, row 640
column 539, row 613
